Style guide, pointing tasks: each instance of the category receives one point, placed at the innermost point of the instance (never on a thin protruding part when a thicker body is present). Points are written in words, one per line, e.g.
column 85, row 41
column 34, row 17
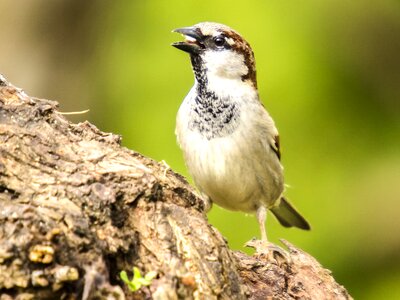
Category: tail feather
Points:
column 288, row 216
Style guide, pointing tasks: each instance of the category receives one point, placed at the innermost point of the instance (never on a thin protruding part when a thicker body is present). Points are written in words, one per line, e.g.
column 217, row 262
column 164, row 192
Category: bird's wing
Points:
column 268, row 123
column 268, row 168
column 275, row 146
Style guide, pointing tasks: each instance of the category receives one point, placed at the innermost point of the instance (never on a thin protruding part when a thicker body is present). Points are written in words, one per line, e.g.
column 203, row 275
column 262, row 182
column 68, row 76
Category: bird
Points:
column 229, row 141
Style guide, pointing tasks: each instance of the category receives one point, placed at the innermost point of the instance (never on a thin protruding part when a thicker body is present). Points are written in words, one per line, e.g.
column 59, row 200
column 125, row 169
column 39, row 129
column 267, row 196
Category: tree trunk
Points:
column 76, row 208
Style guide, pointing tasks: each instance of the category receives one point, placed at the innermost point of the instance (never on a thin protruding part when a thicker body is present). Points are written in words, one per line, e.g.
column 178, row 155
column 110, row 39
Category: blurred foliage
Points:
column 328, row 72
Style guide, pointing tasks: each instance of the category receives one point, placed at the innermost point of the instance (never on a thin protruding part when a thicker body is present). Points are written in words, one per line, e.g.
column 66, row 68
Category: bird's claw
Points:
column 270, row 251
column 166, row 168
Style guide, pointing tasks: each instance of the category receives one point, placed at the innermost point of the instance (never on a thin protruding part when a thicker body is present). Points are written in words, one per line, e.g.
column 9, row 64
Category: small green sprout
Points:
column 137, row 280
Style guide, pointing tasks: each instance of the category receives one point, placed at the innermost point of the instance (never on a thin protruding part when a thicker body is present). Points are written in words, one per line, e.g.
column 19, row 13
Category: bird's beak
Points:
column 193, row 40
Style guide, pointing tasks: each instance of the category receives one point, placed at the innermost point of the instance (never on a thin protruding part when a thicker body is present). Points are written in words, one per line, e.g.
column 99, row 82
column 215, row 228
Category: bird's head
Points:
column 217, row 51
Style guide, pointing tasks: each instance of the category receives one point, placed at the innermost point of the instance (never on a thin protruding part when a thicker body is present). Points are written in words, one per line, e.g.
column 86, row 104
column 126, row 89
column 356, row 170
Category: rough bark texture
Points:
column 76, row 208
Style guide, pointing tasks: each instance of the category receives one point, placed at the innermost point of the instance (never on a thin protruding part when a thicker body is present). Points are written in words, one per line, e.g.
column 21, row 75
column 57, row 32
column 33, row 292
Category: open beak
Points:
column 193, row 40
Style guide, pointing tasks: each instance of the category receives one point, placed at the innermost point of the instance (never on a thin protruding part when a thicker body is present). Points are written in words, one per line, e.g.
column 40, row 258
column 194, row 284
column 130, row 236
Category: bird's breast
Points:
column 213, row 117
column 220, row 170
column 226, row 153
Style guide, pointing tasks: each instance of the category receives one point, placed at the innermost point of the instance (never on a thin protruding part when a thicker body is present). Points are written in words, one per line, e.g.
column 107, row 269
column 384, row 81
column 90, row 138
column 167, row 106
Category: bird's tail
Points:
column 288, row 216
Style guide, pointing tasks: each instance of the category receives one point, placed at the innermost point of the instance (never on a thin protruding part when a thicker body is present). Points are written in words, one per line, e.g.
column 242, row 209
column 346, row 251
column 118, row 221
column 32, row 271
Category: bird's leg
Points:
column 263, row 247
column 261, row 218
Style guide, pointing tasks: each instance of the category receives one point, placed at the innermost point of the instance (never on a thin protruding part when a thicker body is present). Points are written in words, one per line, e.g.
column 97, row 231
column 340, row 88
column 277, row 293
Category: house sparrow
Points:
column 230, row 142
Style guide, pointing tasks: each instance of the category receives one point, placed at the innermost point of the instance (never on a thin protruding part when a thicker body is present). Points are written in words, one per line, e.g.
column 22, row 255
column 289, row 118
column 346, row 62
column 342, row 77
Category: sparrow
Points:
column 229, row 140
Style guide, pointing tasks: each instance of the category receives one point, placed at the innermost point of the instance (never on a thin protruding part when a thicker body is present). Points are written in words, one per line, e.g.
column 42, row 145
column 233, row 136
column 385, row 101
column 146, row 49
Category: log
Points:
column 76, row 209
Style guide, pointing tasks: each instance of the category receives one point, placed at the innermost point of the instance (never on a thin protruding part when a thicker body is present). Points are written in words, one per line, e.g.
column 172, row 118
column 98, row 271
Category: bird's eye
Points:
column 219, row 41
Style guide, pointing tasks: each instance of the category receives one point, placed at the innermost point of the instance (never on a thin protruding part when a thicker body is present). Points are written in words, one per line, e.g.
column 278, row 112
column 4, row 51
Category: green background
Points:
column 328, row 72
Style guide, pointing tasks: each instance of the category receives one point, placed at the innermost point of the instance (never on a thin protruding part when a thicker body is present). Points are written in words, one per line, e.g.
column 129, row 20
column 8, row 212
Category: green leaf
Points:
column 124, row 277
column 136, row 273
column 137, row 281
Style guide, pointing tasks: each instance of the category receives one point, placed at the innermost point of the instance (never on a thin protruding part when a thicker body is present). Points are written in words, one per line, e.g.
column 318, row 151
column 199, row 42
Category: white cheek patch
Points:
column 225, row 70
column 225, row 63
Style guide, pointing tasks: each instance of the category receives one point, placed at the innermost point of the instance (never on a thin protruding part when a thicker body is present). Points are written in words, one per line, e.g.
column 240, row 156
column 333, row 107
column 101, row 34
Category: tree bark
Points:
column 76, row 208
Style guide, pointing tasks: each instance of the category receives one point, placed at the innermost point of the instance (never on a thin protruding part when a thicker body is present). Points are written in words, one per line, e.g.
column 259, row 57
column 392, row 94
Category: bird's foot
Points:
column 270, row 251
column 166, row 168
